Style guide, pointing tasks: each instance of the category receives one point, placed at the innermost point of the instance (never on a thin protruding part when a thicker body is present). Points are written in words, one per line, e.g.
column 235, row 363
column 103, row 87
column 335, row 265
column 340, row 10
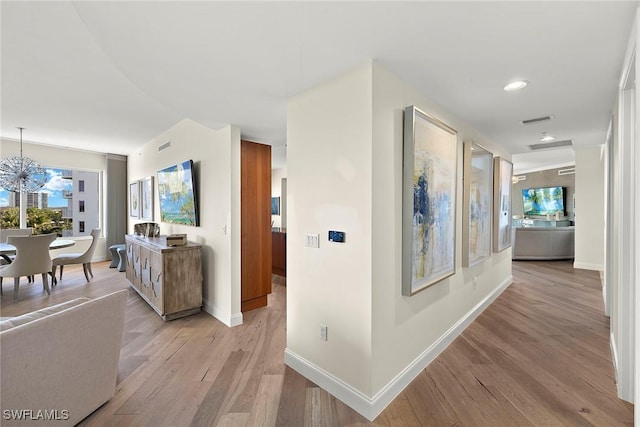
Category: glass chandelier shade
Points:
column 22, row 174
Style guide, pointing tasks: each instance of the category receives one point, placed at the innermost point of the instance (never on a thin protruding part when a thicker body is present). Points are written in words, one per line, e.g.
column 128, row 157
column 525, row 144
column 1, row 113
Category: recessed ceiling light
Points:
column 516, row 85
column 547, row 138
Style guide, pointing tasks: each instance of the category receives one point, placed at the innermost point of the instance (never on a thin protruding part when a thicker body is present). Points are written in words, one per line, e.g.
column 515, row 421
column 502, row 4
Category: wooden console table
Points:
column 279, row 251
column 169, row 278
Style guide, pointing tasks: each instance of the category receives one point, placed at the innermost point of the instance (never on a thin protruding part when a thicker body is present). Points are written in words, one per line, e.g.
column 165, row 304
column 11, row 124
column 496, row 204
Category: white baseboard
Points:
column 588, row 266
column 614, row 354
column 230, row 320
column 371, row 407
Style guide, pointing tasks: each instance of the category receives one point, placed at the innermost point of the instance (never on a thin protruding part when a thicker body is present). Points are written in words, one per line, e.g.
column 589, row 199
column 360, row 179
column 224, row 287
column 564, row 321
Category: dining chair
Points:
column 32, row 257
column 6, row 232
column 77, row 258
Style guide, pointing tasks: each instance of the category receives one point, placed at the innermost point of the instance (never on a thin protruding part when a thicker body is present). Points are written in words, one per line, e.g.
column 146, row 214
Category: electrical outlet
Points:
column 312, row 240
column 323, row 332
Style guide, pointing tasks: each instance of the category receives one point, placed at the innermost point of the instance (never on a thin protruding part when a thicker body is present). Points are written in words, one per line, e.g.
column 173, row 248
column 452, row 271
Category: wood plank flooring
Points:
column 538, row 356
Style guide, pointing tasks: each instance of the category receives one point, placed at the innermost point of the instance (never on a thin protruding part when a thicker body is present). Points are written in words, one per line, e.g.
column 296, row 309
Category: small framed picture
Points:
column 146, row 198
column 134, row 199
column 275, row 206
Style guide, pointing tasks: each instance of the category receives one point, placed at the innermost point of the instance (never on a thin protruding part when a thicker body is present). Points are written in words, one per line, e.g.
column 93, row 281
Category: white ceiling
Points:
column 109, row 76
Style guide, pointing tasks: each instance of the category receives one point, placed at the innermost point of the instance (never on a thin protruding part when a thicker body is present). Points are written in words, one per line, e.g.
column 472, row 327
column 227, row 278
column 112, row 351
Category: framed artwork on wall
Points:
column 275, row 206
column 177, row 194
column 134, row 199
column 477, row 204
column 146, row 198
column 502, row 180
column 428, row 201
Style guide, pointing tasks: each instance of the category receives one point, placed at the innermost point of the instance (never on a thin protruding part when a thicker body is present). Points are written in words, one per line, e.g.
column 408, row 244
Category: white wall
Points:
column 590, row 200
column 215, row 154
column 345, row 173
column 65, row 158
column 399, row 333
column 329, row 187
column 276, row 191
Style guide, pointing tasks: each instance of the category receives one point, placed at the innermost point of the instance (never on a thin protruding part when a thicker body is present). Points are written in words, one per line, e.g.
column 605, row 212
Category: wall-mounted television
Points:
column 177, row 194
column 543, row 201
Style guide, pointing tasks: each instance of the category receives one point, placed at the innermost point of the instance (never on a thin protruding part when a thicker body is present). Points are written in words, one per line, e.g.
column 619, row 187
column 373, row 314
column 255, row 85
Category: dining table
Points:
column 6, row 249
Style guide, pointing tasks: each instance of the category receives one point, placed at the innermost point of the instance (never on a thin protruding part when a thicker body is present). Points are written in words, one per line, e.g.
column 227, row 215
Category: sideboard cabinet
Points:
column 169, row 278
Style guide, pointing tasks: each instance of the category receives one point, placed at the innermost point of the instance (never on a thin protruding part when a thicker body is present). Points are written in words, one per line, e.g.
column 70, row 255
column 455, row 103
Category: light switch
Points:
column 312, row 240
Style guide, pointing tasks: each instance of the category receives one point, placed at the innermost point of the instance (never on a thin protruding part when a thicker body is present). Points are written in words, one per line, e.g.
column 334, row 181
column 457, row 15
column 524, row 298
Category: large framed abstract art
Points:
column 428, row 201
column 477, row 204
column 502, row 180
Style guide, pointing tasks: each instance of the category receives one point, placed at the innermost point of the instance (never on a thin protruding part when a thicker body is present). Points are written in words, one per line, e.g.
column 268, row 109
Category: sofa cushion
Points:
column 30, row 317
column 66, row 361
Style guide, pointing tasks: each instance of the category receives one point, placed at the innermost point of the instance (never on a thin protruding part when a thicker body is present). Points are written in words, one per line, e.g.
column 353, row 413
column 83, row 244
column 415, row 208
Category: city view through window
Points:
column 67, row 205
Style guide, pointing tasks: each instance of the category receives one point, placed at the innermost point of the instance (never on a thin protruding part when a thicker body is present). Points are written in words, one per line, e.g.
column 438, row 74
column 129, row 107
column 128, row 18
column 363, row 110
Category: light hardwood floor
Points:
column 538, row 356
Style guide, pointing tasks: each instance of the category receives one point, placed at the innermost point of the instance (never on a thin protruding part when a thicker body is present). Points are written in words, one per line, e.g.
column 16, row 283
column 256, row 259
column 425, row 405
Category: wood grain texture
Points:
column 169, row 278
column 255, row 229
column 538, row 356
column 279, row 253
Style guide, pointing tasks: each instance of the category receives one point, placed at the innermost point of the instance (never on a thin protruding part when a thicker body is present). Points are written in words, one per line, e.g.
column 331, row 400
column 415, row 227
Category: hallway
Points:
column 538, row 356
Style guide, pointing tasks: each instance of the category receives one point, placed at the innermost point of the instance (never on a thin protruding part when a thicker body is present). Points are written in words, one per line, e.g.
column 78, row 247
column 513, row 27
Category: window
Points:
column 53, row 208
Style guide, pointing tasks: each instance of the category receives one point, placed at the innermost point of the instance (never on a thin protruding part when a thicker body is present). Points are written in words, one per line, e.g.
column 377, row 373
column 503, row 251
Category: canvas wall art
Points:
column 477, row 204
column 502, row 180
column 177, row 194
column 429, row 198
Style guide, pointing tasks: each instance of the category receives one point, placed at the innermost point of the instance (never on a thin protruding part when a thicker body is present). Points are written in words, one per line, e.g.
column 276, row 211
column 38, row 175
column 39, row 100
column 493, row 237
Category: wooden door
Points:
column 255, row 229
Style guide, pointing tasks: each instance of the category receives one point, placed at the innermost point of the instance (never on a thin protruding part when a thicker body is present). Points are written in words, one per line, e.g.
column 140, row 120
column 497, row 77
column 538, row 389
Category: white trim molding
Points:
column 230, row 320
column 588, row 266
column 624, row 244
column 614, row 354
column 371, row 407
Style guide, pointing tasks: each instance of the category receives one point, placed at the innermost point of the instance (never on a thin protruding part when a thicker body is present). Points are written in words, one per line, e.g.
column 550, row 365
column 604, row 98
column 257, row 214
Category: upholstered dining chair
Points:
column 6, row 232
column 84, row 259
column 32, row 257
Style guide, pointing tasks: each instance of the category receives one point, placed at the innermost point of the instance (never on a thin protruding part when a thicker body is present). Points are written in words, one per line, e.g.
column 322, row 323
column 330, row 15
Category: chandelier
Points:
column 22, row 174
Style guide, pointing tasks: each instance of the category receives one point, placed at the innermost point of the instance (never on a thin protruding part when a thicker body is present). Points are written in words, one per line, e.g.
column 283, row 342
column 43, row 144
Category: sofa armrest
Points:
column 30, row 317
column 67, row 361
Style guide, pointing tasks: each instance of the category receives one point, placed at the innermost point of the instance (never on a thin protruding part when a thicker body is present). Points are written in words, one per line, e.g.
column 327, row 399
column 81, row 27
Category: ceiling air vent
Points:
column 554, row 144
column 164, row 146
column 568, row 171
column 537, row 120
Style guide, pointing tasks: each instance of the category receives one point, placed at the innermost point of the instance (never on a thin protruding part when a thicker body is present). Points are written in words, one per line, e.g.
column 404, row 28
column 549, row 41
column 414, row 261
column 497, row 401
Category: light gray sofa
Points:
column 543, row 243
column 60, row 364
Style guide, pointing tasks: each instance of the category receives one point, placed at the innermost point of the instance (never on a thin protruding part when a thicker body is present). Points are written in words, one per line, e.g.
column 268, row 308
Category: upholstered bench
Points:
column 122, row 254
column 115, row 259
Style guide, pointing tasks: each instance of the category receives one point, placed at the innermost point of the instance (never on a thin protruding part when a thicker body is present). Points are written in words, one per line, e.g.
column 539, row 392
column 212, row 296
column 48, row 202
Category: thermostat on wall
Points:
column 336, row 236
